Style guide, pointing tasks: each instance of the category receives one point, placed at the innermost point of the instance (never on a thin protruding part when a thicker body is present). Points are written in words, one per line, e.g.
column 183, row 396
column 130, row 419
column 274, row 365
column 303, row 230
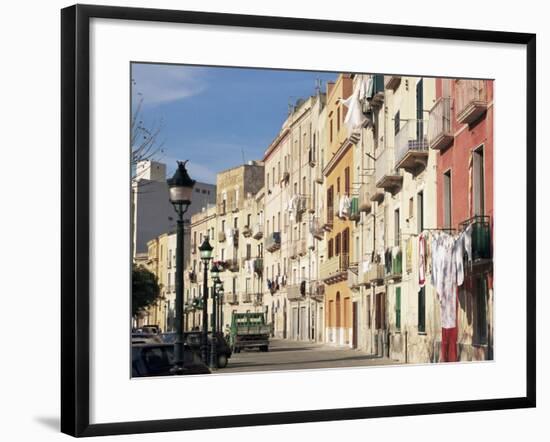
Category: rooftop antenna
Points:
column 242, row 153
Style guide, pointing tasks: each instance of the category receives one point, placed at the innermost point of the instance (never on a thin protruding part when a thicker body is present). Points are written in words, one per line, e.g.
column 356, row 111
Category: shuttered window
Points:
column 398, row 308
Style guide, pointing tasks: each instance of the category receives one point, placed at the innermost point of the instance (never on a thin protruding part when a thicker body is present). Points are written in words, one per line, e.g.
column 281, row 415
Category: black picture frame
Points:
column 75, row 212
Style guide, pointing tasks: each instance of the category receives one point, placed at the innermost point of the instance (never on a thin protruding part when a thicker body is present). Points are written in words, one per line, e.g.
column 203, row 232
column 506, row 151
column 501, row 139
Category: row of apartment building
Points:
column 338, row 233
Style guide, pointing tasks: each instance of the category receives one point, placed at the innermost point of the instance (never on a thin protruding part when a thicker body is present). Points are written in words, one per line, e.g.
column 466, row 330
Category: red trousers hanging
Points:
column 448, row 345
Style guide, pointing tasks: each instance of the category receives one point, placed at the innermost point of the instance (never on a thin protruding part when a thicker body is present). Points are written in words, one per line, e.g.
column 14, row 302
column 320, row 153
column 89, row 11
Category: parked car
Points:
column 145, row 338
column 193, row 340
column 151, row 329
column 158, row 360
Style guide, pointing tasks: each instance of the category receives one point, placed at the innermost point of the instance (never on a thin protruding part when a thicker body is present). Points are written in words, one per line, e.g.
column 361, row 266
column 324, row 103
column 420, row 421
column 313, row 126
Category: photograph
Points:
column 301, row 220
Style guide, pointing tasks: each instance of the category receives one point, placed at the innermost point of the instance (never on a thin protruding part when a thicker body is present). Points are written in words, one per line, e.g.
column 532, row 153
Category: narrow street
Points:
column 294, row 355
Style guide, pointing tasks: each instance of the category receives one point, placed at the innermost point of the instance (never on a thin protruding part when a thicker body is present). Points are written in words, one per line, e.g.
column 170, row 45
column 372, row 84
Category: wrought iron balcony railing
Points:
column 440, row 131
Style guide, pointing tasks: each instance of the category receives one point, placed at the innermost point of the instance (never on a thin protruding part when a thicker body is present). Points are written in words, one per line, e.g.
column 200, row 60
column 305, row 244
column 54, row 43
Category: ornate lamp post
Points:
column 220, row 304
column 181, row 189
column 215, row 271
column 205, row 250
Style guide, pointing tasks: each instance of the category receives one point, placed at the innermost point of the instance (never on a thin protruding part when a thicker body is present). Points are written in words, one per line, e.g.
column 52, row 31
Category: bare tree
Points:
column 144, row 139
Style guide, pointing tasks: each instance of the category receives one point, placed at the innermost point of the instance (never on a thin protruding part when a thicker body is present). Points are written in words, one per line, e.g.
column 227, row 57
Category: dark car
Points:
column 158, row 360
column 193, row 340
column 145, row 338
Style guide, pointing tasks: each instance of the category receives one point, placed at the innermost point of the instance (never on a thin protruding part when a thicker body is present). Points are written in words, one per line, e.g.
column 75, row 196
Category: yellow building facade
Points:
column 340, row 313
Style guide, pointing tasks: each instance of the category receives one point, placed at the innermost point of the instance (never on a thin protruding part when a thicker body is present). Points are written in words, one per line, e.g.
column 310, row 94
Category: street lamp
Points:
column 220, row 303
column 180, row 190
column 205, row 250
column 215, row 271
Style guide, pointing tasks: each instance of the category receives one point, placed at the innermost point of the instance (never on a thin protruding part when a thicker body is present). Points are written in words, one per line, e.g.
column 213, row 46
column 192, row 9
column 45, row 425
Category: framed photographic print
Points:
column 316, row 213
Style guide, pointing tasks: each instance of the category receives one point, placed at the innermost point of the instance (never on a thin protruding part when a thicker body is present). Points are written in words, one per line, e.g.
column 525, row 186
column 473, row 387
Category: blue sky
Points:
column 212, row 116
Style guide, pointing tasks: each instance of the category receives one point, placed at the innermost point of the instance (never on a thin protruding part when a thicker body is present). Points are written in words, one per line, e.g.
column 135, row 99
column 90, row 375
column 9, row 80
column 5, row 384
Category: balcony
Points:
column 193, row 248
column 257, row 299
column 319, row 177
column 192, row 277
column 231, row 298
column 377, row 91
column 310, row 204
column 353, row 278
column 480, row 227
column 411, row 147
column 302, row 247
column 285, row 177
column 311, row 157
column 375, row 273
column 440, row 133
column 273, row 242
column 222, row 210
column 365, row 193
column 246, row 298
column 247, row 232
column 293, row 250
column 232, row 265
column 221, row 236
column 258, row 266
column 317, row 290
column 334, row 269
column 471, row 100
column 354, row 214
column 386, row 176
column 392, row 82
column 296, row 292
column 258, row 231
column 328, row 218
column 316, row 228
column 394, row 266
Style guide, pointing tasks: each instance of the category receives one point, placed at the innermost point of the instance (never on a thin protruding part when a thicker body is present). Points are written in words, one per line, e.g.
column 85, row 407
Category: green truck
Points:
column 249, row 330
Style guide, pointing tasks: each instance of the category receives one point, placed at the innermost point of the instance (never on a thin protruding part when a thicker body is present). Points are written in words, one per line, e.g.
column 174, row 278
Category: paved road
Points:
column 292, row 355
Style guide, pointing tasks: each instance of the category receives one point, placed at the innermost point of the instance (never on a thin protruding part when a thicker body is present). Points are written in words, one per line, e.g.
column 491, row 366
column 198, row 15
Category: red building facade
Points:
column 461, row 129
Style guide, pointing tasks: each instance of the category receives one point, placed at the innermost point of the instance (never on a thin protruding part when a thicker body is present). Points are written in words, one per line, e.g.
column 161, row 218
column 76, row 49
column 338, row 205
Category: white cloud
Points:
column 165, row 83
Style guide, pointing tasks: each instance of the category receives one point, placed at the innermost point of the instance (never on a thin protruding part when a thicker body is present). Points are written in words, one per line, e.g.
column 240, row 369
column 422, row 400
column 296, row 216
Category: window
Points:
column 267, row 181
column 338, row 118
column 447, row 200
column 223, row 255
column 330, row 248
column 380, row 323
column 278, row 221
column 223, row 225
column 304, row 192
column 411, row 208
column 397, row 229
column 295, row 188
column 398, row 308
column 422, row 310
column 267, row 227
column 330, row 203
column 397, row 123
column 420, row 211
column 480, row 315
column 419, row 109
column 273, row 176
column 347, row 184
column 248, row 251
column 369, row 318
column 234, row 284
column 338, row 244
column 247, row 285
column 248, row 220
column 338, row 186
column 279, row 171
column 236, row 222
column 479, row 182
column 330, row 125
